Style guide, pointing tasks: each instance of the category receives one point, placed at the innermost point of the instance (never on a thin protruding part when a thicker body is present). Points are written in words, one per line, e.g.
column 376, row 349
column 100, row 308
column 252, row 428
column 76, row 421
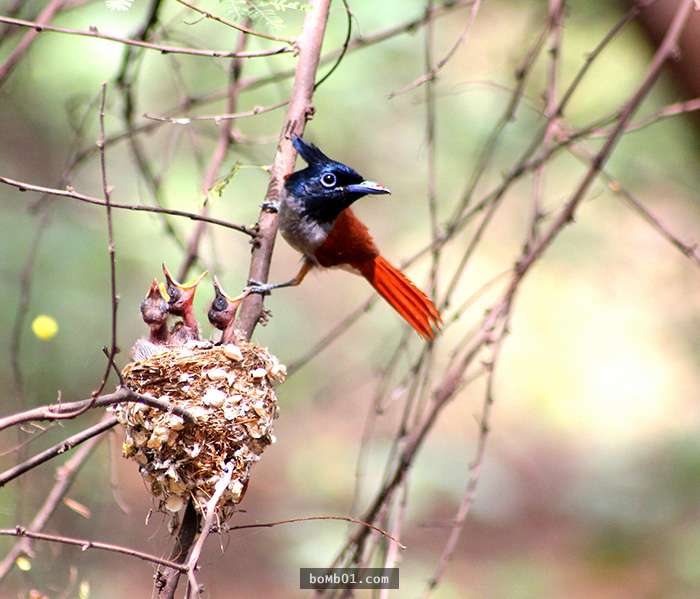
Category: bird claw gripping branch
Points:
column 316, row 219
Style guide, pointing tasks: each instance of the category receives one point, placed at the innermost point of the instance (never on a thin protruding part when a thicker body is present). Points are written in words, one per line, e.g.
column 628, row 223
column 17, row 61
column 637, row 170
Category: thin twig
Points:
column 81, row 197
column 65, row 475
column 433, row 70
column 86, row 544
column 60, row 448
column 18, row 51
column 242, row 28
column 62, row 411
column 208, row 522
column 95, row 34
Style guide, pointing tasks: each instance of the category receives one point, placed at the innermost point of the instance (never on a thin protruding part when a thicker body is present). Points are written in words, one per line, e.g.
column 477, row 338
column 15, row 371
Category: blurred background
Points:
column 591, row 482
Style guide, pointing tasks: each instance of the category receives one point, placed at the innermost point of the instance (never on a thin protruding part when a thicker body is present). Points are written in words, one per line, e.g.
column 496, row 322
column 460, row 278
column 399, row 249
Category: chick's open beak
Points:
column 219, row 290
column 186, row 289
column 155, row 291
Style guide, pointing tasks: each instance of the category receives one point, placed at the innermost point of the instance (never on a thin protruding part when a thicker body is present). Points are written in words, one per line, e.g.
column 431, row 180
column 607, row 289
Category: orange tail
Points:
column 409, row 301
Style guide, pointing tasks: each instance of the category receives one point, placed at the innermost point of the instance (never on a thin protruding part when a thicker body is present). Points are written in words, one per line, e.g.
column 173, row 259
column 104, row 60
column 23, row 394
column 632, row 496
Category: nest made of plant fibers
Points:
column 229, row 391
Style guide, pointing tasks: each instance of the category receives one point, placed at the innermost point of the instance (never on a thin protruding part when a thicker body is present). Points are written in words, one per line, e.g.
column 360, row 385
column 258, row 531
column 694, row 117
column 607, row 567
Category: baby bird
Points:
column 222, row 313
column 180, row 304
column 154, row 311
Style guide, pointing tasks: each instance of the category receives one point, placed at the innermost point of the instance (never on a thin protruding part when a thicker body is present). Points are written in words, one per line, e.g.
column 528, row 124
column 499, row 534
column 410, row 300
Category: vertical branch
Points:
column 299, row 111
column 556, row 13
column 210, row 514
column 430, row 142
column 107, row 192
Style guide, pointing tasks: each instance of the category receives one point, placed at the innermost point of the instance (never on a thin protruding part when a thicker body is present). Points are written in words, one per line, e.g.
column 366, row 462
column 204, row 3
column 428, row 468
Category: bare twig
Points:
column 86, row 544
column 433, row 70
column 44, row 17
column 229, row 116
column 556, row 14
column 81, row 197
column 209, row 515
column 61, row 411
column 67, row 444
column 65, row 475
column 94, row 33
column 381, row 531
column 242, row 28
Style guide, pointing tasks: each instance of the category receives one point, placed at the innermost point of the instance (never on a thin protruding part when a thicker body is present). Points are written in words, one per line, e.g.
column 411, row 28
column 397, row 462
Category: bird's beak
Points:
column 154, row 290
column 367, row 187
column 219, row 290
column 163, row 292
column 170, row 280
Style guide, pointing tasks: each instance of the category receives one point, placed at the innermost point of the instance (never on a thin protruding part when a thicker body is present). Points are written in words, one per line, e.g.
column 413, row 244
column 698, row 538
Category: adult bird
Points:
column 154, row 311
column 316, row 219
column 222, row 312
column 180, row 303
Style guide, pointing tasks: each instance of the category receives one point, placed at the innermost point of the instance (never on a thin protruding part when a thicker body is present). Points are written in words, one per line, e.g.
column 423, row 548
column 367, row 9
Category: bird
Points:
column 154, row 311
column 315, row 218
column 222, row 312
column 181, row 298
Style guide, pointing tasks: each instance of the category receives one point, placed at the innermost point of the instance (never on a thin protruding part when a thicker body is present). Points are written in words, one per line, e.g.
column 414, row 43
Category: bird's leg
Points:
column 265, row 288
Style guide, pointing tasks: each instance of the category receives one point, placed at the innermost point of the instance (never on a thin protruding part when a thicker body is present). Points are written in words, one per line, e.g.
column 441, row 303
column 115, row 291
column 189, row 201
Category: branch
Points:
column 210, row 514
column 241, row 28
column 71, row 193
column 300, row 110
column 65, row 475
column 59, row 411
column 67, row 444
column 94, row 33
column 350, row 519
column 44, row 17
column 434, row 70
column 86, row 544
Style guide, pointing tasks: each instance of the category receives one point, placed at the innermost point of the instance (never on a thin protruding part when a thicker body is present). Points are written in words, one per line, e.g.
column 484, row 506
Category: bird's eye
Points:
column 220, row 303
column 328, row 180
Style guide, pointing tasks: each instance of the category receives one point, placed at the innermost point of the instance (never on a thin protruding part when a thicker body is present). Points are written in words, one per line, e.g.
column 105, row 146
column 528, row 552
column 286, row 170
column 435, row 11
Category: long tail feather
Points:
column 409, row 301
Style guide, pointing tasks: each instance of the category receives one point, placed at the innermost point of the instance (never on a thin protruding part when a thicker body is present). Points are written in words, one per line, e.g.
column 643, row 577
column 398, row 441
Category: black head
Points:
column 326, row 187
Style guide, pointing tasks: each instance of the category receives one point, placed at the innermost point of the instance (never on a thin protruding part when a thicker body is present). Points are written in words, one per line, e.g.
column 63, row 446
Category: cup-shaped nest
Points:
column 229, row 391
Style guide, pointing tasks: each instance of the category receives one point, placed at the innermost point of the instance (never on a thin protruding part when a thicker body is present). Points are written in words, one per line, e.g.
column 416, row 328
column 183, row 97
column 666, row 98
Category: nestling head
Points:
column 181, row 295
column 327, row 187
column 223, row 307
column 154, row 307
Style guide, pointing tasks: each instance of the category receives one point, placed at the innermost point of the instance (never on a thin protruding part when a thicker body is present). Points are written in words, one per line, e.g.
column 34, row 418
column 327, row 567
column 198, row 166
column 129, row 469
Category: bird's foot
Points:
column 258, row 287
column 272, row 206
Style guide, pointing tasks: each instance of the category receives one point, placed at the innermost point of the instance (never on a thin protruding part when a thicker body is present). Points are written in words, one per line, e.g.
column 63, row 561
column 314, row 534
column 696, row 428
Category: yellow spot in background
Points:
column 84, row 590
column 23, row 563
column 44, row 327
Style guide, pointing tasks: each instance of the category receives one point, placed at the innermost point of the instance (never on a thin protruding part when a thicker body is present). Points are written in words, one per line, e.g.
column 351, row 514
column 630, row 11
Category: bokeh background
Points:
column 591, row 482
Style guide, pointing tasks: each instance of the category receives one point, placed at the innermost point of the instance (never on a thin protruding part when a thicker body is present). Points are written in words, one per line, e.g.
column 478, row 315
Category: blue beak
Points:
column 367, row 187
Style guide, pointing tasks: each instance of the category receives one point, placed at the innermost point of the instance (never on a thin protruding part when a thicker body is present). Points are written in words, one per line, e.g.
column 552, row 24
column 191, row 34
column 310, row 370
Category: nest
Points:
column 229, row 391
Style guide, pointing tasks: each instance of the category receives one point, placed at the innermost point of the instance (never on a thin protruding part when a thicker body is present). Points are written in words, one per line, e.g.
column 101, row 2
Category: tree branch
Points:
column 299, row 111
